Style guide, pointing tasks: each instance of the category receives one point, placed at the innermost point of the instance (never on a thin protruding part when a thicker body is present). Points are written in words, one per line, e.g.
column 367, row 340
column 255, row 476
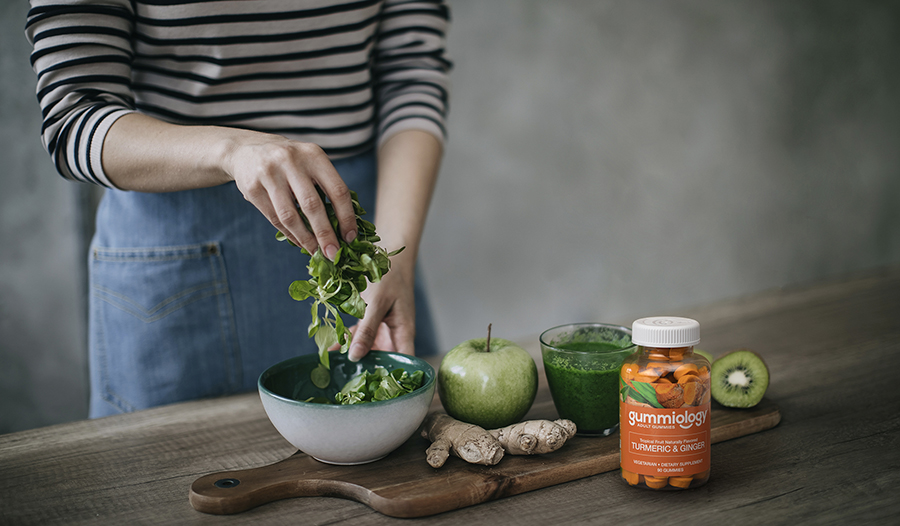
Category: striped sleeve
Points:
column 411, row 68
column 82, row 55
column 340, row 74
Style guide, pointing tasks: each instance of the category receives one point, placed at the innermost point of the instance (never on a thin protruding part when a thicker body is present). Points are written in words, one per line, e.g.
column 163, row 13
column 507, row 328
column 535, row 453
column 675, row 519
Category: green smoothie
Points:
column 585, row 395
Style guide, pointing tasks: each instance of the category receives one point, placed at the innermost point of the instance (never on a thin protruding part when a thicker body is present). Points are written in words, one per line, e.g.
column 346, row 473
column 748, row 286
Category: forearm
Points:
column 408, row 165
column 148, row 155
column 276, row 174
column 407, row 171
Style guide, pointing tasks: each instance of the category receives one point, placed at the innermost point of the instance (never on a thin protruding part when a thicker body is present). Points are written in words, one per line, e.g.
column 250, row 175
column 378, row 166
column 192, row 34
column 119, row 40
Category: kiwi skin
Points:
column 745, row 365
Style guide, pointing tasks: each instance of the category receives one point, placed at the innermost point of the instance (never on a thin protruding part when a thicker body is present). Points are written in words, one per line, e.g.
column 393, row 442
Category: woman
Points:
column 210, row 123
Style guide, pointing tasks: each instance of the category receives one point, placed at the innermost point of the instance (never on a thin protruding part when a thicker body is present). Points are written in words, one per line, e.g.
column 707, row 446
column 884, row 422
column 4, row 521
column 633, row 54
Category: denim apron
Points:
column 189, row 295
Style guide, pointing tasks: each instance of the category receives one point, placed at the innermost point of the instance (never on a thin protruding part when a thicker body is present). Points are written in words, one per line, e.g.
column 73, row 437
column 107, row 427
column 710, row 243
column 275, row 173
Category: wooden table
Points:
column 834, row 354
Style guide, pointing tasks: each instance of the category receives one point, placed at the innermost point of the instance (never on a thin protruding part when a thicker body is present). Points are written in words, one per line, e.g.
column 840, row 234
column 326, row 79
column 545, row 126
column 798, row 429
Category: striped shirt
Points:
column 343, row 75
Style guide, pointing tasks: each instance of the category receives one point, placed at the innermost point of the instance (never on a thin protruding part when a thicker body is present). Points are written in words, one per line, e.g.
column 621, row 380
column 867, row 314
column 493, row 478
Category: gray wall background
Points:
column 607, row 160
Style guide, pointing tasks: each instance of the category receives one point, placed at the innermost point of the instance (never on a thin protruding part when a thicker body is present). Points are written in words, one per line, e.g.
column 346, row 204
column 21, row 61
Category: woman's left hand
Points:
column 390, row 320
column 407, row 169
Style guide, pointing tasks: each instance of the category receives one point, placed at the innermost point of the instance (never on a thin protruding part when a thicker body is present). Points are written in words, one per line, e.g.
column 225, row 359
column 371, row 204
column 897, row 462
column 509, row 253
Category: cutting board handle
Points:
column 230, row 492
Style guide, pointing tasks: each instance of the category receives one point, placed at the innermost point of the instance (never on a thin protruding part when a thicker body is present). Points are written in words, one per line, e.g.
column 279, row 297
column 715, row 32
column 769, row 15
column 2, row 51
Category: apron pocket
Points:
column 162, row 325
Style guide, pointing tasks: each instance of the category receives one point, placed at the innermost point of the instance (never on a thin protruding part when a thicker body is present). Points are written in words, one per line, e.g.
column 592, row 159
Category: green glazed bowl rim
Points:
column 430, row 377
column 588, row 324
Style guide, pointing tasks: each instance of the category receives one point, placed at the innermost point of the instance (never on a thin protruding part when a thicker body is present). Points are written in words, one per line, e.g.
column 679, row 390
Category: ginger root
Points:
column 476, row 445
column 534, row 437
column 467, row 441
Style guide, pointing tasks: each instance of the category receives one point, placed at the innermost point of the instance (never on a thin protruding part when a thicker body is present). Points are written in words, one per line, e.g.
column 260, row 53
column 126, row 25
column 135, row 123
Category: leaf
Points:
column 324, row 359
column 300, row 290
column 314, row 324
column 382, row 260
column 374, row 273
column 395, row 252
column 646, row 393
column 325, row 337
column 279, row 236
column 340, row 330
column 337, row 284
column 356, row 383
column 320, row 377
column 412, row 381
column 354, row 306
column 629, row 392
column 355, row 397
column 366, row 227
column 389, row 388
column 378, row 384
column 360, row 211
column 361, row 283
column 320, row 267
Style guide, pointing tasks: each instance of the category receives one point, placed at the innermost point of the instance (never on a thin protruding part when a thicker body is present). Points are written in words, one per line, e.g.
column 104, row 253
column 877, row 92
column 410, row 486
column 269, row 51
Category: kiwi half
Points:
column 739, row 379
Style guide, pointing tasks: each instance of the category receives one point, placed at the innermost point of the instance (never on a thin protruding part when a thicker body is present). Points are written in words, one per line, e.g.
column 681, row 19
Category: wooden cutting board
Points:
column 412, row 488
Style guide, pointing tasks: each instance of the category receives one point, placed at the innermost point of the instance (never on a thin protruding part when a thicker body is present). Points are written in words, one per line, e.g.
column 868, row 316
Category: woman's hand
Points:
column 390, row 320
column 274, row 173
column 277, row 175
column 407, row 170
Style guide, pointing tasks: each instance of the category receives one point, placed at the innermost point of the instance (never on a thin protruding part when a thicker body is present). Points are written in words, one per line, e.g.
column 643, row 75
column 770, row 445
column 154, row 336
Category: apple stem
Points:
column 487, row 347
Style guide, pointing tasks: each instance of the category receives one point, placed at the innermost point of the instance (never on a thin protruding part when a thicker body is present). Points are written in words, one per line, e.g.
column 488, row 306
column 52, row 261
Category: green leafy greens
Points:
column 375, row 386
column 642, row 392
column 336, row 285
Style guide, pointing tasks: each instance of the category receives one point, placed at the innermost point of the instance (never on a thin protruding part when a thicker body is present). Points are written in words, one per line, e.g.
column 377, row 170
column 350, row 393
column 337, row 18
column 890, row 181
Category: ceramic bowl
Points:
column 343, row 434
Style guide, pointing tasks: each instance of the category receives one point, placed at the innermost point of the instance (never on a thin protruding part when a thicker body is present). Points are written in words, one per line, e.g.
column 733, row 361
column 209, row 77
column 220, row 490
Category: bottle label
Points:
column 663, row 442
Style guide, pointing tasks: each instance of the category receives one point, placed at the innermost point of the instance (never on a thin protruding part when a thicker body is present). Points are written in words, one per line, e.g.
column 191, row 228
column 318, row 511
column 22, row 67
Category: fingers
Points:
column 279, row 176
column 308, row 200
column 393, row 333
column 386, row 338
column 403, row 338
column 319, row 171
column 339, row 195
column 363, row 339
column 383, row 339
column 279, row 207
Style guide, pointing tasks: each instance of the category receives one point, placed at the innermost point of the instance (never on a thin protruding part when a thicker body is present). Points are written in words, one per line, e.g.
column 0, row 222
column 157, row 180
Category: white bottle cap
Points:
column 665, row 331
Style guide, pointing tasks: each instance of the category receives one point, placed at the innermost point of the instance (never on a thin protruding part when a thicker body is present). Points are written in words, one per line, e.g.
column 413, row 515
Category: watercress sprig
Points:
column 377, row 385
column 335, row 286
column 374, row 386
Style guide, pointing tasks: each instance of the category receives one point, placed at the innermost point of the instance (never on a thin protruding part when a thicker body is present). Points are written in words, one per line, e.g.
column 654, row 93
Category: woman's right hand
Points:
column 274, row 173
column 277, row 175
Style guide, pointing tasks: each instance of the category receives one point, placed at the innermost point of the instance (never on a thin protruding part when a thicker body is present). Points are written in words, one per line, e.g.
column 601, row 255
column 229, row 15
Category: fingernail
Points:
column 351, row 235
column 330, row 251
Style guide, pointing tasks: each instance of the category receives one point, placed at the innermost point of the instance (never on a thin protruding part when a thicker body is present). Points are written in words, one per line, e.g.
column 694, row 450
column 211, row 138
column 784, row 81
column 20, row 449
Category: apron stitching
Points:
column 160, row 310
column 227, row 321
column 110, row 396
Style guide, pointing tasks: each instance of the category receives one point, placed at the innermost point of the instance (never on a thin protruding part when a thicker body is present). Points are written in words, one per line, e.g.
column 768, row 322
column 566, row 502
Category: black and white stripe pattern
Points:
column 345, row 76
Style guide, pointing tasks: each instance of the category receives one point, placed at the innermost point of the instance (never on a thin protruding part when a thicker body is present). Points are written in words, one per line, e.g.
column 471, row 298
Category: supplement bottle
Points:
column 664, row 430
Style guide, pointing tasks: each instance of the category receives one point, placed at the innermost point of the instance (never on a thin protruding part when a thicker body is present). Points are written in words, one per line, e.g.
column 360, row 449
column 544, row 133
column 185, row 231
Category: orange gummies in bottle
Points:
column 664, row 429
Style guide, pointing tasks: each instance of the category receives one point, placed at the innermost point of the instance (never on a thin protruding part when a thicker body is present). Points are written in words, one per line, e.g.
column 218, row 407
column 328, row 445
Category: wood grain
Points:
column 833, row 349
column 404, row 485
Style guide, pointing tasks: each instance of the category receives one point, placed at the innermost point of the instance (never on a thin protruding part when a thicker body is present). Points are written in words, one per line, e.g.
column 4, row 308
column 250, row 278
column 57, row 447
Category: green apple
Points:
column 487, row 382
